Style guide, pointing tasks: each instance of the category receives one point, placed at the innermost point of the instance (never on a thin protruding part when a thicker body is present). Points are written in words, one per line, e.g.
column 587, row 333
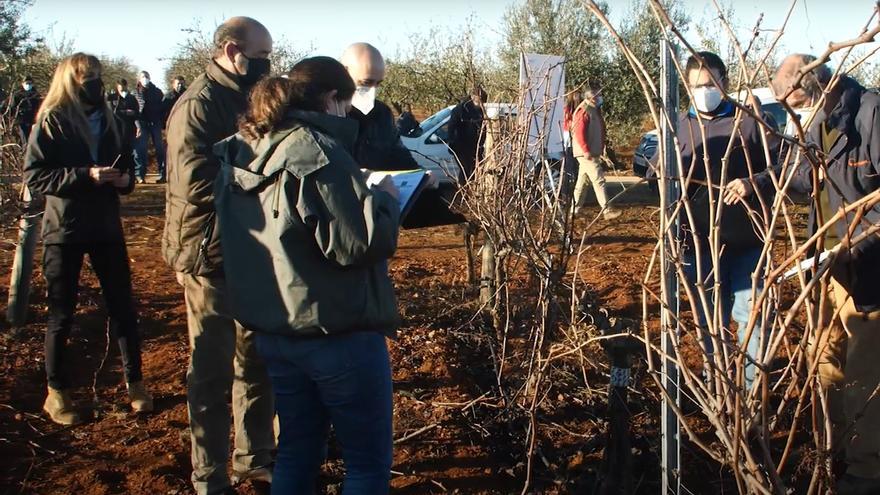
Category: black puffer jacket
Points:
column 57, row 165
column 378, row 145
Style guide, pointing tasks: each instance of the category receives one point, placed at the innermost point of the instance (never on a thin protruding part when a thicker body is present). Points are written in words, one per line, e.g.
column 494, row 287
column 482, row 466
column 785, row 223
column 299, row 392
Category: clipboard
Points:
column 410, row 183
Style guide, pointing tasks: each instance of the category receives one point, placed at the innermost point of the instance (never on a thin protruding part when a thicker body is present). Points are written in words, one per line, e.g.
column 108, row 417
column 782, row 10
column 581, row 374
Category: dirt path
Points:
column 436, row 373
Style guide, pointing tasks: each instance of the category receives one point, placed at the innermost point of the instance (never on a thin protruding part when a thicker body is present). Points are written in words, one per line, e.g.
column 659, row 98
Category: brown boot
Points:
column 60, row 408
column 141, row 400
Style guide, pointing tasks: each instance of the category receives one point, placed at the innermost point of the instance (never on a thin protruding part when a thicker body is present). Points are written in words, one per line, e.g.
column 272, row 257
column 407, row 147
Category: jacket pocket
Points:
column 202, row 258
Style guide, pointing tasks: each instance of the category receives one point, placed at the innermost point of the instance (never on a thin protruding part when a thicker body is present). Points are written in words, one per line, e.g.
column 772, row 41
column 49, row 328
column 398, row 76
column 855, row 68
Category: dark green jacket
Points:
column 206, row 113
column 305, row 241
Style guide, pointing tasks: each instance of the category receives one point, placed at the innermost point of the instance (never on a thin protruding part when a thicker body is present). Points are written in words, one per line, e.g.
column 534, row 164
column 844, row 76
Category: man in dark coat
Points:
column 378, row 145
column 466, row 130
column 25, row 104
column 223, row 356
column 125, row 105
column 149, row 126
column 846, row 134
column 178, row 86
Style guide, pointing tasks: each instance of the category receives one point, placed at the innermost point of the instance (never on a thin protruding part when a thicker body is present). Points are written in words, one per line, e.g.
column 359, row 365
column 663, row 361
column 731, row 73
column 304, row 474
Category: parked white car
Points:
column 427, row 142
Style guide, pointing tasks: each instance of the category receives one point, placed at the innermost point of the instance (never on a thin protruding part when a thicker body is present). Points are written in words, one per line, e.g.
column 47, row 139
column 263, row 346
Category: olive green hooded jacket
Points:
column 305, row 240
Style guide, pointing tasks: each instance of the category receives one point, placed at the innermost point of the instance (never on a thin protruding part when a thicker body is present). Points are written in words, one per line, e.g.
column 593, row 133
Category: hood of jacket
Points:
column 304, row 152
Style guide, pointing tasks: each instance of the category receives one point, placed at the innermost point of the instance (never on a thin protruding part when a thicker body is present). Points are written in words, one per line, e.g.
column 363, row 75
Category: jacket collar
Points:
column 223, row 77
column 843, row 115
column 342, row 129
column 301, row 156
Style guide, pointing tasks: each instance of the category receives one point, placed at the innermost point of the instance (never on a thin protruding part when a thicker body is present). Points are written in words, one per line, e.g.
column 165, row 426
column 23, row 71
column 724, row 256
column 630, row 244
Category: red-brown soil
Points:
column 437, row 370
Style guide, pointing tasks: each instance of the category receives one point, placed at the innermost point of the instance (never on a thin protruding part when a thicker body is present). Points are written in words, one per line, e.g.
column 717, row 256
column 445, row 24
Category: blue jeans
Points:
column 149, row 130
column 343, row 380
column 735, row 278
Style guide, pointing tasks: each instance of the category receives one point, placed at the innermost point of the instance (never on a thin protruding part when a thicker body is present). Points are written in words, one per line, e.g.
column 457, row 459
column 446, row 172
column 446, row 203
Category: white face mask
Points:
column 145, row 81
column 27, row 86
column 124, row 94
column 706, row 98
column 803, row 114
column 364, row 99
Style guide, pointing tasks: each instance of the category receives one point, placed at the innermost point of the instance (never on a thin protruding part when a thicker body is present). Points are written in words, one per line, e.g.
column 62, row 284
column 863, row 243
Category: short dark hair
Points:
column 705, row 60
column 179, row 78
column 27, row 79
column 122, row 82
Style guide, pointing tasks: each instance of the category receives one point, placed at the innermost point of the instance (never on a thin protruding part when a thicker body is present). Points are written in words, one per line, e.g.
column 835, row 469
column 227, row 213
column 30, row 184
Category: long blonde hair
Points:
column 63, row 101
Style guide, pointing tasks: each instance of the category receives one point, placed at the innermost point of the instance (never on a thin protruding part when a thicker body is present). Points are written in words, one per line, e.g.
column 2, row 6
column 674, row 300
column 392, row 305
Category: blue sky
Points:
column 147, row 31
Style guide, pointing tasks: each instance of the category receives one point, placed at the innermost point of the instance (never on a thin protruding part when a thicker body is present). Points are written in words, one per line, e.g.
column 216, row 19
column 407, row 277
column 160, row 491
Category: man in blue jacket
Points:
column 149, row 126
column 846, row 134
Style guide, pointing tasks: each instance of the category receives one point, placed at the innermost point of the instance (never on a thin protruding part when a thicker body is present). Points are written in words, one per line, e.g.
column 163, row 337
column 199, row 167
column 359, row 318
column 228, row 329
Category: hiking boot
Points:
column 60, row 407
column 141, row 400
column 611, row 213
column 263, row 474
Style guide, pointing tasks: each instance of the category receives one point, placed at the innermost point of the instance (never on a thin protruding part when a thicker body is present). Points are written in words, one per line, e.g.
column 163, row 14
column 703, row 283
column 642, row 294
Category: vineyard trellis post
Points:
column 670, row 328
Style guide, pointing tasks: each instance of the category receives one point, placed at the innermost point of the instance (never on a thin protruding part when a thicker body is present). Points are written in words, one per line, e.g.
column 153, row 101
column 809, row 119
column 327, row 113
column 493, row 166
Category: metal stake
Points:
column 669, row 196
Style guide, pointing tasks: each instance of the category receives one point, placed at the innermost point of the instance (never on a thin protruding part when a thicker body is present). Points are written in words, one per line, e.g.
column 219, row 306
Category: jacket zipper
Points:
column 202, row 257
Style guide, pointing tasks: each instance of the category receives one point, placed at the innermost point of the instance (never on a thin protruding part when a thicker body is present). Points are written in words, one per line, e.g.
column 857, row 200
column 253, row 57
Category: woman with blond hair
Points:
column 79, row 158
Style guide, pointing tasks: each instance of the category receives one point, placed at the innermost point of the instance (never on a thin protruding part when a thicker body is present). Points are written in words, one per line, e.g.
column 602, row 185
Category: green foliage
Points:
column 625, row 107
column 15, row 37
column 556, row 27
column 195, row 52
column 438, row 68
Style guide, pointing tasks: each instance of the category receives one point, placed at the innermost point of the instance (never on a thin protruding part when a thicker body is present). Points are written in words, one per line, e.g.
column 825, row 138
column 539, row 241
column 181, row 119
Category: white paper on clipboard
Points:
column 818, row 261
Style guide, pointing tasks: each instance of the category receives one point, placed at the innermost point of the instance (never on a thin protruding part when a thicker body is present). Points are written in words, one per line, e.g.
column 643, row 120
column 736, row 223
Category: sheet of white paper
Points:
column 807, row 264
column 406, row 181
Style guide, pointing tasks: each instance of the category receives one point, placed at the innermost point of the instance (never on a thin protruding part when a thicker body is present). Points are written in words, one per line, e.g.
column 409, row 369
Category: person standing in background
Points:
column 125, row 106
column 178, row 86
column 466, row 131
column 588, row 145
column 150, row 122
column 25, row 104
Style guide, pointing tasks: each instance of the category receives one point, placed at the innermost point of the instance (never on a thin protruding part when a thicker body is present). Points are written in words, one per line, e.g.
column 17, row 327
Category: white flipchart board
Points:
column 542, row 77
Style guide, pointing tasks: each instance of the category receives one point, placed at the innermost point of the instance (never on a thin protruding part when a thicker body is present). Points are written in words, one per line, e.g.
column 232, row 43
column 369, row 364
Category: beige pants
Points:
column 223, row 360
column 590, row 171
column 849, row 370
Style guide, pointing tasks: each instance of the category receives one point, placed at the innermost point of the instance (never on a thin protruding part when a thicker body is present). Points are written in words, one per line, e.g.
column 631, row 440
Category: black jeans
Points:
column 62, row 264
